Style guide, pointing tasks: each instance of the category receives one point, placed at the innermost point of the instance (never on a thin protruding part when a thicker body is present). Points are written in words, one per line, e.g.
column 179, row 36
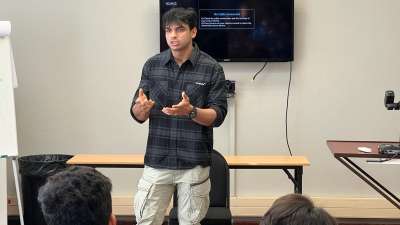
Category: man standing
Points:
column 182, row 93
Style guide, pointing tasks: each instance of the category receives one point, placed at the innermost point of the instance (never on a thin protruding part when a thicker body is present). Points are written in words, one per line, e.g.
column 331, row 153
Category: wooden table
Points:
column 285, row 163
column 344, row 150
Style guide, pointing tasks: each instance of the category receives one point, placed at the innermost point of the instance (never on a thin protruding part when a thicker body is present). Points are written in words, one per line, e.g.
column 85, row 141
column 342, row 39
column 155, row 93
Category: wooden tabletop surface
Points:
column 350, row 148
column 138, row 160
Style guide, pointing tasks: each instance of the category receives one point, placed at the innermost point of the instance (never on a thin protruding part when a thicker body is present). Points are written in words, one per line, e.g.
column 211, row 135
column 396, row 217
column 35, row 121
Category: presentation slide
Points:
column 227, row 19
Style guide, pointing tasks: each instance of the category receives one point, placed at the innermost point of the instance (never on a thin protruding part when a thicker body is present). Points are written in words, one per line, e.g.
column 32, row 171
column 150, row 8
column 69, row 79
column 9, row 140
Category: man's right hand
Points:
column 142, row 106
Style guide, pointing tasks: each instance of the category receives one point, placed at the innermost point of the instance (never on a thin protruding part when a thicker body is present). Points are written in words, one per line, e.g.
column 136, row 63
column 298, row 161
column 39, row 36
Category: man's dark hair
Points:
column 296, row 209
column 76, row 196
column 180, row 16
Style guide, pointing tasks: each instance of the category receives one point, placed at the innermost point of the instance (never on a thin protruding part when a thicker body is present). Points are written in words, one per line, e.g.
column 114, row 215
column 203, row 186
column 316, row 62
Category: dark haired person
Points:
column 182, row 93
column 77, row 196
column 296, row 209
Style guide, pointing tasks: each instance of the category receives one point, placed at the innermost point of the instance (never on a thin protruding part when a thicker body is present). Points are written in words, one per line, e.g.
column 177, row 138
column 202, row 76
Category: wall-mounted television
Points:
column 241, row 30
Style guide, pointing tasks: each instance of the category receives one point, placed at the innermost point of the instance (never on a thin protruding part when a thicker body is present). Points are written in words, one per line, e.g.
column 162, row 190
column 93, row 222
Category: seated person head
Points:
column 296, row 209
column 77, row 196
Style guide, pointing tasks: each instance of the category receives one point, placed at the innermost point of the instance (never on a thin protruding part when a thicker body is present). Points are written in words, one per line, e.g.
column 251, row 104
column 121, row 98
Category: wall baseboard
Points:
column 363, row 208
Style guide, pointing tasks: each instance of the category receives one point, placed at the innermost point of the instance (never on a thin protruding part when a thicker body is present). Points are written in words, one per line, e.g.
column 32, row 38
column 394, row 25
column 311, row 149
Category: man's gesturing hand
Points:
column 183, row 108
column 142, row 106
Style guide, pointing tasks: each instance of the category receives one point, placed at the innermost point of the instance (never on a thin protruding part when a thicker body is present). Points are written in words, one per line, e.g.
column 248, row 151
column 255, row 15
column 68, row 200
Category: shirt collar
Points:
column 167, row 55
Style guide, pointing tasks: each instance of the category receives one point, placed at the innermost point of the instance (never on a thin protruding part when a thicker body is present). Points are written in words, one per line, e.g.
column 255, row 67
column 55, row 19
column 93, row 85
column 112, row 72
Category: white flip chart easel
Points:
column 8, row 130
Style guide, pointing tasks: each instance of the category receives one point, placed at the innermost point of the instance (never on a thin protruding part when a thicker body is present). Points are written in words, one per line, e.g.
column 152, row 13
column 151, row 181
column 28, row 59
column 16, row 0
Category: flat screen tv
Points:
column 240, row 30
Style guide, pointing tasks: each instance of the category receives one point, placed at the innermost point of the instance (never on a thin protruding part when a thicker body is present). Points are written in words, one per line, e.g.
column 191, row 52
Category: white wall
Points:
column 79, row 62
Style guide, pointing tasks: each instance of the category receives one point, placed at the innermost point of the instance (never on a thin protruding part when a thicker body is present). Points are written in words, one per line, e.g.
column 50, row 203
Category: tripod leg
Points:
column 17, row 187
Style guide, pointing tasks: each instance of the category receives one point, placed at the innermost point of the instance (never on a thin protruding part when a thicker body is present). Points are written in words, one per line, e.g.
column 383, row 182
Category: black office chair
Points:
column 219, row 212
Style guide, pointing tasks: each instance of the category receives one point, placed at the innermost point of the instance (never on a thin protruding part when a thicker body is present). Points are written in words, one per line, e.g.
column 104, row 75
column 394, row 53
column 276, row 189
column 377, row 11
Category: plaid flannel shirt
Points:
column 177, row 142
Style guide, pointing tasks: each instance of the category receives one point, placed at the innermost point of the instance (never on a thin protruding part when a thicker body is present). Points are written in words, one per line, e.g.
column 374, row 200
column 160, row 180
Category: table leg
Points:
column 298, row 176
column 297, row 179
column 370, row 180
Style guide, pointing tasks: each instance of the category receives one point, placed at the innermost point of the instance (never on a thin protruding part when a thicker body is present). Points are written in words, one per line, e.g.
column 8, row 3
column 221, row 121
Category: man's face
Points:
column 179, row 36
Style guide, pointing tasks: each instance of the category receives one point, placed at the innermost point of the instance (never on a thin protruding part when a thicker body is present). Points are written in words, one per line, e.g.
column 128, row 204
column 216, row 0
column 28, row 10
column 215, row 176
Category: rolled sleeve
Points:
column 131, row 110
column 145, row 85
column 217, row 96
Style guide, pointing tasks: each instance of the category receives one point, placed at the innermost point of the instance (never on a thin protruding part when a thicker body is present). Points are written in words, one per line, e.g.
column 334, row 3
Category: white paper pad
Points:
column 5, row 28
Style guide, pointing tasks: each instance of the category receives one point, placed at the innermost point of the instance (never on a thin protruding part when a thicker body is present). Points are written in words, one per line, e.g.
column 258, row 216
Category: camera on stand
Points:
column 389, row 101
column 230, row 88
column 390, row 149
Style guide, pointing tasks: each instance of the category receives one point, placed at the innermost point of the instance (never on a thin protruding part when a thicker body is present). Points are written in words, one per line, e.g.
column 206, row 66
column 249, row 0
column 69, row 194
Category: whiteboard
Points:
column 8, row 130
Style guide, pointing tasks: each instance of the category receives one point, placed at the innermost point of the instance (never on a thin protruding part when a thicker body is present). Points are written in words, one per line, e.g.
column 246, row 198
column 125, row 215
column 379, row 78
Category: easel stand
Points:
column 8, row 130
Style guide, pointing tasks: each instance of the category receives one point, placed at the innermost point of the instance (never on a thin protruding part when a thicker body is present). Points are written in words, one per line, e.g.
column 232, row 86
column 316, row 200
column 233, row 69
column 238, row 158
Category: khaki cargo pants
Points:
column 155, row 190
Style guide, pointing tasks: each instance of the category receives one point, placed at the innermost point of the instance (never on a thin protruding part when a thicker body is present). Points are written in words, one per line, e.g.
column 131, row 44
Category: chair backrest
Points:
column 219, row 177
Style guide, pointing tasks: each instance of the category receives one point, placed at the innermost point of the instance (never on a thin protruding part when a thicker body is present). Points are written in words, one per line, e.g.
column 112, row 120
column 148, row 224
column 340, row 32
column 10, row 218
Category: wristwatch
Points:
column 193, row 113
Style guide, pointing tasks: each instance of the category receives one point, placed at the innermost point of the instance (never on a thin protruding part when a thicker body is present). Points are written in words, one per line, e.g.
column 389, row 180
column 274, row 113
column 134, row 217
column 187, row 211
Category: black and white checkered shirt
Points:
column 177, row 142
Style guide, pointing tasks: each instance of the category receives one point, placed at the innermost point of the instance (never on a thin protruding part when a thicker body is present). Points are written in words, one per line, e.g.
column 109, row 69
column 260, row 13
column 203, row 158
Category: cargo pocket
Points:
column 199, row 200
column 141, row 198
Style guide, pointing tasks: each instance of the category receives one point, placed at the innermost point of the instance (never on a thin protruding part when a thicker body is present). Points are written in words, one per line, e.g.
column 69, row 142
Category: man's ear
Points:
column 194, row 32
column 113, row 220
